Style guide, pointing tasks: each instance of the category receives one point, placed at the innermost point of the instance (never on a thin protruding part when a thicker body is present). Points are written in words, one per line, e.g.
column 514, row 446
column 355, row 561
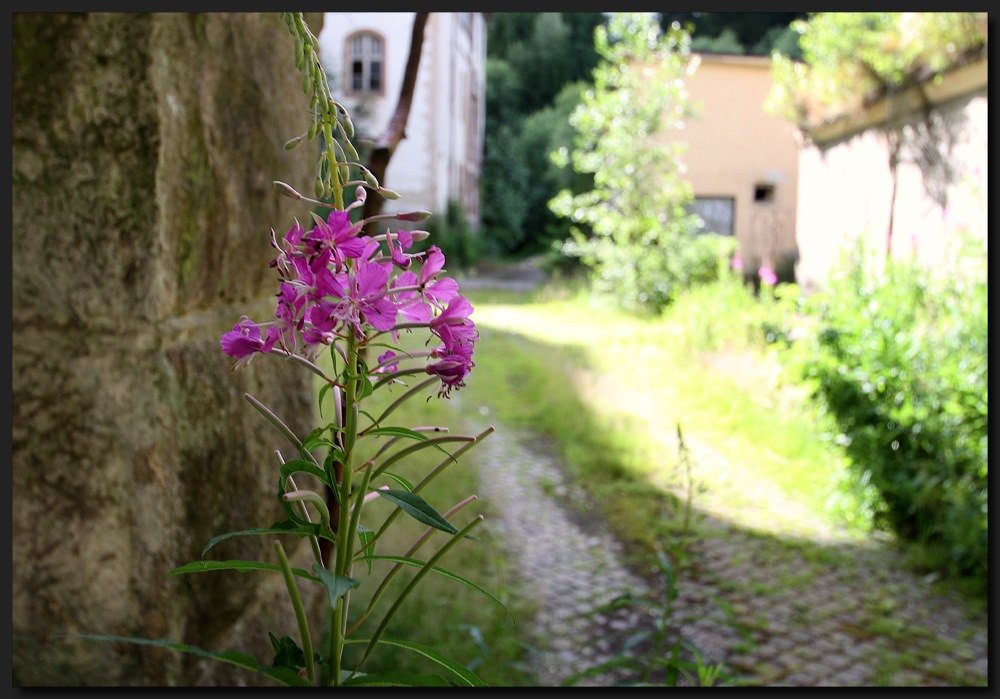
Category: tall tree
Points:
column 645, row 247
column 748, row 28
column 532, row 57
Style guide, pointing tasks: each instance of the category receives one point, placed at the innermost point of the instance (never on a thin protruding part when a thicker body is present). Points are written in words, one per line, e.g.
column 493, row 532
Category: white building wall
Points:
column 845, row 191
column 436, row 153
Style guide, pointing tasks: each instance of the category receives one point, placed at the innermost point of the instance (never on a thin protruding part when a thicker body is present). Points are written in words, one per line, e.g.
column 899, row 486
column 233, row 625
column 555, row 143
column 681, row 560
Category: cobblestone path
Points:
column 835, row 614
column 820, row 609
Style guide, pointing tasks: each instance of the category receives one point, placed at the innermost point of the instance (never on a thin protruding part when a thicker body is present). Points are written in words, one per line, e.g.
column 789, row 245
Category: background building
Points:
column 742, row 162
column 440, row 157
column 847, row 187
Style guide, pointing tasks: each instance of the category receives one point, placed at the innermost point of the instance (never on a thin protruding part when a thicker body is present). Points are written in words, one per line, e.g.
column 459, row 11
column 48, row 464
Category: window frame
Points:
column 367, row 59
column 692, row 208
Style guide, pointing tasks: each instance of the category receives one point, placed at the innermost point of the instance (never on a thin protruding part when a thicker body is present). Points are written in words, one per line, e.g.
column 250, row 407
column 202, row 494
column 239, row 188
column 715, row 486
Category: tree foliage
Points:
column 646, row 246
column 853, row 56
column 755, row 33
column 531, row 59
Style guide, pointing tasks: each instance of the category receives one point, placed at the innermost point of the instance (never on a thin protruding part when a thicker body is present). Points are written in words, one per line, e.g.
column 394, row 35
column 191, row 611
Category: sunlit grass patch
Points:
column 639, row 380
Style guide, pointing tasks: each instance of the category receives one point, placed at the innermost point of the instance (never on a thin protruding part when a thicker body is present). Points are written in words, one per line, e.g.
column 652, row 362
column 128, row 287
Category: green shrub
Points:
column 725, row 312
column 900, row 361
column 649, row 277
column 452, row 234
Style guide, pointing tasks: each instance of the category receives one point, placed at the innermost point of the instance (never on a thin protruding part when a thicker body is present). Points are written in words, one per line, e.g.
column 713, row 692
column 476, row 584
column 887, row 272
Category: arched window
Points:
column 365, row 59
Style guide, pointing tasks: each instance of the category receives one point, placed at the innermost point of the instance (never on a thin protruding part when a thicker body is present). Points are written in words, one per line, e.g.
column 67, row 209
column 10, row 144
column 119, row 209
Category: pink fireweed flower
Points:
column 319, row 329
column 290, row 315
column 385, row 365
column 288, row 250
column 457, row 313
column 404, row 240
column 767, row 276
column 455, row 329
column 452, row 370
column 360, row 297
column 737, row 264
column 337, row 235
column 433, row 294
column 243, row 342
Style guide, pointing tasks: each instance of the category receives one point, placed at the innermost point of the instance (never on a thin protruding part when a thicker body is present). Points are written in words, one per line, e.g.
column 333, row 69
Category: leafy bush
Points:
column 900, row 361
column 651, row 276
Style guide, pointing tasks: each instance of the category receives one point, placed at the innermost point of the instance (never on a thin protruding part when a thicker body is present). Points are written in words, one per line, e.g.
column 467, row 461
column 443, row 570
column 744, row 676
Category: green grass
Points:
column 611, row 389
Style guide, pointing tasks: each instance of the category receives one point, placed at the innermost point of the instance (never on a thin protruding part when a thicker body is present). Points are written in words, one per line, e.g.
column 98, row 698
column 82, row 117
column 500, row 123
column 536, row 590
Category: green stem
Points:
column 356, row 510
column 412, row 584
column 452, row 458
column 300, row 614
column 399, row 566
column 338, row 619
column 402, row 399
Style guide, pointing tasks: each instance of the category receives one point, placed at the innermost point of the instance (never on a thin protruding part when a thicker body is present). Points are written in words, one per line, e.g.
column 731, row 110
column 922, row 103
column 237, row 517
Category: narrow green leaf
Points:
column 282, row 675
column 396, row 432
column 365, row 535
column 399, row 479
column 302, row 466
column 462, row 674
column 322, row 394
column 274, row 420
column 336, row 456
column 316, row 442
column 336, row 585
column 441, row 552
column 448, row 574
column 368, row 415
column 397, row 679
column 286, row 527
column 429, row 442
column 241, row 566
column 415, row 506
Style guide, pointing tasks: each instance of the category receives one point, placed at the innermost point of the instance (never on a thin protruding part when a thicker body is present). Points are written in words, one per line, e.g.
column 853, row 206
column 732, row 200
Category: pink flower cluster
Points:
column 335, row 282
column 767, row 276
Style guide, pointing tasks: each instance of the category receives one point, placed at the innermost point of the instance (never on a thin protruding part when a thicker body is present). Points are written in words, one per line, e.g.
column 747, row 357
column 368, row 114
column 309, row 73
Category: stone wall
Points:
column 144, row 146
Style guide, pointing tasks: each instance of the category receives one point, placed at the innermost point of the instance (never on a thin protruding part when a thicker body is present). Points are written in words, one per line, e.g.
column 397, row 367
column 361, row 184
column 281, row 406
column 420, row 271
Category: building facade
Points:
column 440, row 156
column 848, row 187
column 742, row 162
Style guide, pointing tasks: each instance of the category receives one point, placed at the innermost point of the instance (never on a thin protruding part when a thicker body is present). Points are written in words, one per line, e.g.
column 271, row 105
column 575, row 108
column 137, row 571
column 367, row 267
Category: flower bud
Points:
column 414, row 216
column 306, row 84
column 349, row 148
column 389, row 194
column 313, row 128
column 345, row 119
column 370, row 178
column 285, row 190
column 292, row 142
column 319, row 188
